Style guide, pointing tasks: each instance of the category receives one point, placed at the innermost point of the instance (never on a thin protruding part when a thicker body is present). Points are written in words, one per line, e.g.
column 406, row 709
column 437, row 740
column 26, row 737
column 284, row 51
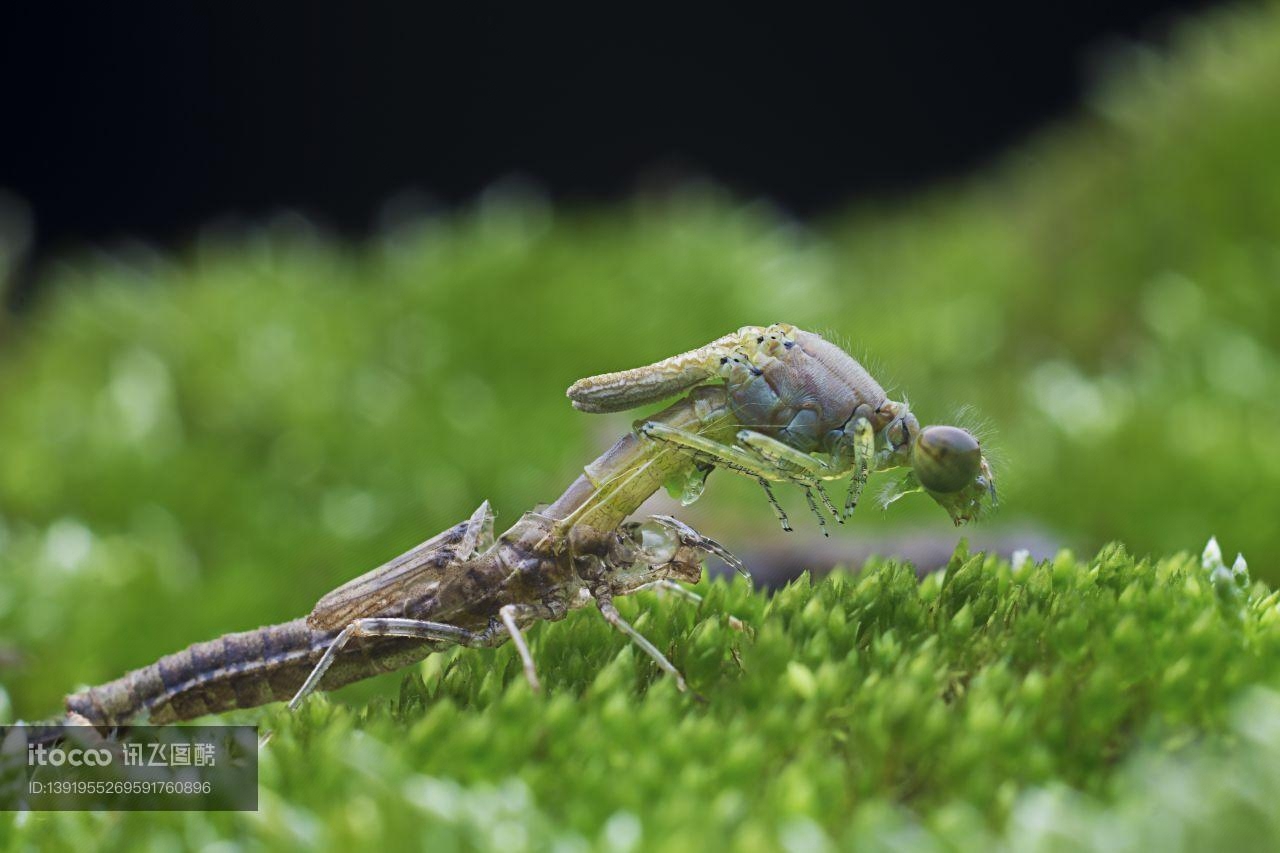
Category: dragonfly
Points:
column 774, row 403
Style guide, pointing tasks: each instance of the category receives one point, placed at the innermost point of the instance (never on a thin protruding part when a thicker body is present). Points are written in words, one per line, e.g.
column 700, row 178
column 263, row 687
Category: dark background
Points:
column 150, row 122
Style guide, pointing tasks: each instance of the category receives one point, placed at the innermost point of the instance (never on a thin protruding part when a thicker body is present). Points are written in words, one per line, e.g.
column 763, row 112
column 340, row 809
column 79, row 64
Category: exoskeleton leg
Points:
column 388, row 627
column 509, row 615
column 679, row 556
column 669, row 586
column 506, row 625
column 666, row 585
column 614, row 618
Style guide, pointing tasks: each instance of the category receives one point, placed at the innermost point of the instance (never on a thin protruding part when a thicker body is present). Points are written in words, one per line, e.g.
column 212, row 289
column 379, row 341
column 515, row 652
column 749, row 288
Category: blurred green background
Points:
column 203, row 442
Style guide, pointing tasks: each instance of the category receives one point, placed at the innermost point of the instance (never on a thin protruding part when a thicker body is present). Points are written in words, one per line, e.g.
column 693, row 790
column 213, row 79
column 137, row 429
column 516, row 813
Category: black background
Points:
column 130, row 121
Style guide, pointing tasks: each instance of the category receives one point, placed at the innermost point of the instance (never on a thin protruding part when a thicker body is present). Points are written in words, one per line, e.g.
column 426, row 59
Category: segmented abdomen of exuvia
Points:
column 237, row 671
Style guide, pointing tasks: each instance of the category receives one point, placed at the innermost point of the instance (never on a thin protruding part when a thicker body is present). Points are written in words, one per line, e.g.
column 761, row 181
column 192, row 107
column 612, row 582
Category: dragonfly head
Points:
column 946, row 458
column 945, row 462
column 949, row 464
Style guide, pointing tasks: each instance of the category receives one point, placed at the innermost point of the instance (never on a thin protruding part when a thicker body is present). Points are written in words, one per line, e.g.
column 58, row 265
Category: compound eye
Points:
column 898, row 434
column 946, row 458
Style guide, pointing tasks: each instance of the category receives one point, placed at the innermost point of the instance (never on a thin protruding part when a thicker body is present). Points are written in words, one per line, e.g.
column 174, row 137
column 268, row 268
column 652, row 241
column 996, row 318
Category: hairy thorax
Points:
column 803, row 390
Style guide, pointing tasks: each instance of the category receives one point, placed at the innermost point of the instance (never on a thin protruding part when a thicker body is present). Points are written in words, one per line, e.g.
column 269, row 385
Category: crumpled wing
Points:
column 626, row 389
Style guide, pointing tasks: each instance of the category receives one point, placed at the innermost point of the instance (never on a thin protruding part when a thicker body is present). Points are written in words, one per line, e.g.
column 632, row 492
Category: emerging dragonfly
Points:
column 792, row 408
column 791, row 394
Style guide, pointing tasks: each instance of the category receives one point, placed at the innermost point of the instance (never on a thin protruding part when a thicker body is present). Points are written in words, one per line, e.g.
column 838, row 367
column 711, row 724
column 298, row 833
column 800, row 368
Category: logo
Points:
column 41, row 755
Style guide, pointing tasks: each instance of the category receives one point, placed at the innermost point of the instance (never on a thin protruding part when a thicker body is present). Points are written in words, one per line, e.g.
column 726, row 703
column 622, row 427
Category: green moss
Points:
column 869, row 703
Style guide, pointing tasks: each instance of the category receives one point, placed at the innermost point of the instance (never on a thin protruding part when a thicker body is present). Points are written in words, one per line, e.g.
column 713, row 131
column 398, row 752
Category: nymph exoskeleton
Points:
column 461, row 587
column 809, row 413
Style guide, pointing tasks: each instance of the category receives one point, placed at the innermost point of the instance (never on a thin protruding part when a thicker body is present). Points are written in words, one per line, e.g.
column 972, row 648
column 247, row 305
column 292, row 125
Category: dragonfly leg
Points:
column 863, row 451
column 773, row 502
column 854, row 451
column 797, row 467
column 383, row 628
column 727, row 456
column 734, row 457
column 803, row 468
column 826, row 502
column 806, row 470
column 614, row 618
column 817, row 513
